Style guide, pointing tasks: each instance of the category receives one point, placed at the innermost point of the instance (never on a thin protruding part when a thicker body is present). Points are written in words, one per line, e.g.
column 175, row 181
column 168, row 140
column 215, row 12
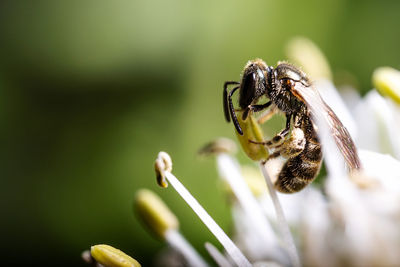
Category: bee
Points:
column 291, row 92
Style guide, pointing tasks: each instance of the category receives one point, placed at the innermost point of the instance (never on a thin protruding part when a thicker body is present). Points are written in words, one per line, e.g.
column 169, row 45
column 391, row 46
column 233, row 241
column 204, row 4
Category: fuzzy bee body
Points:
column 292, row 93
column 304, row 159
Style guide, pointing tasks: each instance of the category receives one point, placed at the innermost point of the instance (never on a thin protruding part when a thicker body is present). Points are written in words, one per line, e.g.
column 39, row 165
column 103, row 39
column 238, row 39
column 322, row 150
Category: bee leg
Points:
column 274, row 155
column 255, row 108
column 291, row 147
column 267, row 115
column 275, row 142
column 297, row 121
column 278, row 139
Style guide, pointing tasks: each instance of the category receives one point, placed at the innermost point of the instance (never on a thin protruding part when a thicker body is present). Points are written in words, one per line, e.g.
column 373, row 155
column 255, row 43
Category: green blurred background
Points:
column 90, row 91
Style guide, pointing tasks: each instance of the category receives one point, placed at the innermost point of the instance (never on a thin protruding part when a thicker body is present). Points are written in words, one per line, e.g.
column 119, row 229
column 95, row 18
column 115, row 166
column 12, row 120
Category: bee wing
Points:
column 319, row 109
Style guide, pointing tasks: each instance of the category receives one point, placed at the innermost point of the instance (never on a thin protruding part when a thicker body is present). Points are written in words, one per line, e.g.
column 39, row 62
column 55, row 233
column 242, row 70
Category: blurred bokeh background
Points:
column 90, row 91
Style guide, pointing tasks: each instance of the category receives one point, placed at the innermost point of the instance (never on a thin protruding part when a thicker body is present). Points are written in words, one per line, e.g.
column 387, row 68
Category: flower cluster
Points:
column 348, row 220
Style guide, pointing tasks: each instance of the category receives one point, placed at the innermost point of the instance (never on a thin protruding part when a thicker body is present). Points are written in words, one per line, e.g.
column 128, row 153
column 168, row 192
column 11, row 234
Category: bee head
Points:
column 251, row 87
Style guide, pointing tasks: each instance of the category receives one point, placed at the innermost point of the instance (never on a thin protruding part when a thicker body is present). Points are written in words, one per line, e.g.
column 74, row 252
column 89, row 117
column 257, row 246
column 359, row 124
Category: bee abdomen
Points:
column 312, row 152
column 301, row 170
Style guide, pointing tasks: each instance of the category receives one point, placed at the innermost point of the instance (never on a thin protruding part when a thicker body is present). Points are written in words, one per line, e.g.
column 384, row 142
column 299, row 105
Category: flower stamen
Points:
column 233, row 251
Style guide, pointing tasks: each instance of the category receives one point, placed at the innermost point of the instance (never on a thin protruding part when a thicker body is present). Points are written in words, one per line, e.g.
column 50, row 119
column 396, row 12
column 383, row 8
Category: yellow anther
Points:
column 154, row 213
column 251, row 132
column 112, row 257
column 387, row 81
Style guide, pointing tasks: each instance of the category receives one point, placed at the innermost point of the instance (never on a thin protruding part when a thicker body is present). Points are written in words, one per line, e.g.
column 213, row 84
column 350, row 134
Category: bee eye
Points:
column 250, row 80
column 247, row 92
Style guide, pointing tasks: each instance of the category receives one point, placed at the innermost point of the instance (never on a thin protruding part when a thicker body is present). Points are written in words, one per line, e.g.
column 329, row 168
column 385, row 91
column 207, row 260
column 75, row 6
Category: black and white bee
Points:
column 290, row 91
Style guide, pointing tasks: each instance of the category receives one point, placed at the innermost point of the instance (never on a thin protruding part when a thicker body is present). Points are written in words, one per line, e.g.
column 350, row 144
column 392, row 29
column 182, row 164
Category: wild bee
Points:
column 291, row 92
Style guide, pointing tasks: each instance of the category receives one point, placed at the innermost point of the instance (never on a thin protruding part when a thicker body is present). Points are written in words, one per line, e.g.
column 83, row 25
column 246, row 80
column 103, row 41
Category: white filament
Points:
column 178, row 242
column 217, row 256
column 283, row 225
column 236, row 255
column 267, row 240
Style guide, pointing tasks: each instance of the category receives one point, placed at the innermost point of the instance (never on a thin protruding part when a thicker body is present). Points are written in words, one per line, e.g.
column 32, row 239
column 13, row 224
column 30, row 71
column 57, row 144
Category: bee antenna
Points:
column 225, row 99
column 232, row 110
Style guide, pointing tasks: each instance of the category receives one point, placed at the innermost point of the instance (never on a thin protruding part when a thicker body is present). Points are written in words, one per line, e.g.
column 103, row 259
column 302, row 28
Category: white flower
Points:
column 348, row 220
